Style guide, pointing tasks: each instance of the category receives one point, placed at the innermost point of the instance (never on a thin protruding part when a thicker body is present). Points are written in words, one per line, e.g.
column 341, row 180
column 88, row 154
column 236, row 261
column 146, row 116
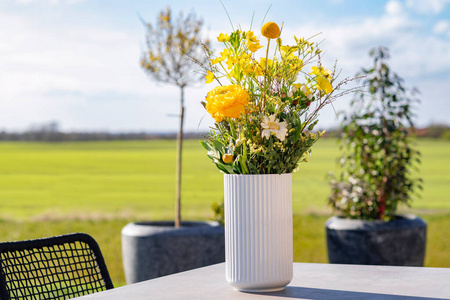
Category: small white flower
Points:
column 271, row 125
column 293, row 89
column 309, row 96
column 290, row 94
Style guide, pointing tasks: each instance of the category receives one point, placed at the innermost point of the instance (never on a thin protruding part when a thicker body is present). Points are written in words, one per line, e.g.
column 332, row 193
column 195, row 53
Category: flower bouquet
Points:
column 264, row 117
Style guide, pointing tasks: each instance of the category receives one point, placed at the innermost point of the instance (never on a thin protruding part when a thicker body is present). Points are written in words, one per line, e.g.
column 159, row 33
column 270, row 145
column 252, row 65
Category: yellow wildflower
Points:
column 323, row 84
column 225, row 53
column 217, row 60
column 226, row 101
column 245, row 58
column 223, row 37
column 259, row 71
column 209, row 77
column 288, row 49
column 253, row 47
column 253, row 69
column 251, row 36
column 321, row 71
column 230, row 63
column 262, row 62
column 270, row 30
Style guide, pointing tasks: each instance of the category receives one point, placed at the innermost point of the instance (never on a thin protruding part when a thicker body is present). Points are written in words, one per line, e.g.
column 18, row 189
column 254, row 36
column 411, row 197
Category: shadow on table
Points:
column 324, row 294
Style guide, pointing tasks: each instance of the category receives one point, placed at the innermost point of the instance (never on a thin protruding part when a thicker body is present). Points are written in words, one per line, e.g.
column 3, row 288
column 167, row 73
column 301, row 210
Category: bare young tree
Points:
column 174, row 51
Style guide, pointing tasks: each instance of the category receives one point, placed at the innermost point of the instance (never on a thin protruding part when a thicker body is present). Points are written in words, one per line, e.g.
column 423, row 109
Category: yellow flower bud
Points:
column 227, row 158
column 270, row 30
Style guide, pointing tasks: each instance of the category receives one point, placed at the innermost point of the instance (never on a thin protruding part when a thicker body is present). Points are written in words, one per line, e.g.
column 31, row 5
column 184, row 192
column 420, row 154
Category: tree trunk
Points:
column 178, row 177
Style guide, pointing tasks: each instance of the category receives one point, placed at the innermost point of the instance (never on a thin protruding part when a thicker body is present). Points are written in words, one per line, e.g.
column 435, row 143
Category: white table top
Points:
column 311, row 281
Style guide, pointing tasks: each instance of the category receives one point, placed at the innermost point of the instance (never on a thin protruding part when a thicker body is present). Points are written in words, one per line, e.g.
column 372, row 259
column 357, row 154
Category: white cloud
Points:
column 422, row 60
column 442, row 27
column 394, row 8
column 427, row 6
column 45, row 69
column 88, row 59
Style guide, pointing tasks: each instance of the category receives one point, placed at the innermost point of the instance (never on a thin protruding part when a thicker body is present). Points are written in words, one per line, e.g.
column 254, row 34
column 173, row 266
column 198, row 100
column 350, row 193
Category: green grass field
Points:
column 98, row 187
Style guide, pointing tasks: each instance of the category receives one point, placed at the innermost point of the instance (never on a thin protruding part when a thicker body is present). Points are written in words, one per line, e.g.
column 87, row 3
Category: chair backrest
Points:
column 59, row 267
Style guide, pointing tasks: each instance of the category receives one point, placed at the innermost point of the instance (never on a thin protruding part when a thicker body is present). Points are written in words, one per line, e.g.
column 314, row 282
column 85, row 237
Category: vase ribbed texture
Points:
column 258, row 231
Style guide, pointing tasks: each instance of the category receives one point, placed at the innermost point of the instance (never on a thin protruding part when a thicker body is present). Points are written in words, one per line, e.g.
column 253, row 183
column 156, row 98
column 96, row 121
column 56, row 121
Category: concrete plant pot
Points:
column 400, row 242
column 154, row 249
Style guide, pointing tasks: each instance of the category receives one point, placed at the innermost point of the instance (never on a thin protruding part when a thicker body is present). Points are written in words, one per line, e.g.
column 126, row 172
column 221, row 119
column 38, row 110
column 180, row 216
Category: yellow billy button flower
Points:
column 209, row 77
column 270, row 30
column 227, row 158
column 226, row 102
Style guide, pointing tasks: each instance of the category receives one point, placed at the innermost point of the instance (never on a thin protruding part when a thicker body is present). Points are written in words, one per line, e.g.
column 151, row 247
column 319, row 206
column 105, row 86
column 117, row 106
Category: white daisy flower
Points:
column 270, row 124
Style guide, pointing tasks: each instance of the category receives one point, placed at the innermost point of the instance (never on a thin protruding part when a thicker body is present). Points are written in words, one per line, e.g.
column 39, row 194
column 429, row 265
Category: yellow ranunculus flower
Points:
column 226, row 102
column 323, row 84
column 271, row 30
column 209, row 77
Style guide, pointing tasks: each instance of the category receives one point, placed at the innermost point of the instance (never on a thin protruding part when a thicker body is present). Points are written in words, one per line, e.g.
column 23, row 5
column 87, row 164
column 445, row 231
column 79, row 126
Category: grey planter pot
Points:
column 400, row 242
column 154, row 249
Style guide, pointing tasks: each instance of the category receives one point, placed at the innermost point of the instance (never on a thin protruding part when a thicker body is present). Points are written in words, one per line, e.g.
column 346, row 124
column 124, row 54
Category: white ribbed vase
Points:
column 258, row 231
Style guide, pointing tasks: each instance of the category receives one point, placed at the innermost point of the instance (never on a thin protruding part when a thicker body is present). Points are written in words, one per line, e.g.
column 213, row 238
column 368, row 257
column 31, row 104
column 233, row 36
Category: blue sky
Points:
column 77, row 61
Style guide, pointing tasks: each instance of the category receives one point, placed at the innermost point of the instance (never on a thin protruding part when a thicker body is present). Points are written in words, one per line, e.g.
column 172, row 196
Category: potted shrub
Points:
column 376, row 176
column 154, row 249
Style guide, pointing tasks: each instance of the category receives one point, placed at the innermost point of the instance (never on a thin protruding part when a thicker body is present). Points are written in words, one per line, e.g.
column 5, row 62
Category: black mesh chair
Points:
column 60, row 267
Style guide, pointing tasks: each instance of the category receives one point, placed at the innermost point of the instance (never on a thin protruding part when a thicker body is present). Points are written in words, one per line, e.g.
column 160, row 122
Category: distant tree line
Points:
column 435, row 131
column 43, row 136
column 51, row 133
